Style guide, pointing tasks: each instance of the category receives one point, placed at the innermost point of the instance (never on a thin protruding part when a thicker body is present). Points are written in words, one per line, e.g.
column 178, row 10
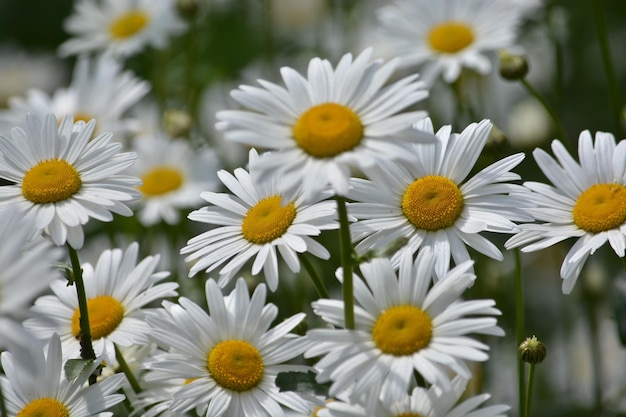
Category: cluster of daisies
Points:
column 344, row 147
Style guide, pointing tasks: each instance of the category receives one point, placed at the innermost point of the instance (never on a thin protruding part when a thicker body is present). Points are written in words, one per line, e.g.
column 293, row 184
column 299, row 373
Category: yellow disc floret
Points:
column 44, row 407
column 160, row 180
column 50, row 181
column 236, row 365
column 402, row 330
column 328, row 129
column 128, row 24
column 268, row 220
column 432, row 203
column 105, row 314
column 601, row 207
column 450, row 37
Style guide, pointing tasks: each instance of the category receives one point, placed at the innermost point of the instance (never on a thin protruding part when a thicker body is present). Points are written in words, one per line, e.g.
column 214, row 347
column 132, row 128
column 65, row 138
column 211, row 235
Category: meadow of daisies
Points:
column 326, row 208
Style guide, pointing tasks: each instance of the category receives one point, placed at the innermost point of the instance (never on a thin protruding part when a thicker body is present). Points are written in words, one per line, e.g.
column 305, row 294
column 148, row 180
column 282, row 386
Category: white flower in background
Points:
column 321, row 126
column 231, row 357
column 26, row 266
column 64, row 177
column 403, row 324
column 448, row 35
column 21, row 70
column 117, row 290
column 587, row 201
column 428, row 201
column 173, row 175
column 120, row 27
column 100, row 89
column 255, row 221
column 47, row 392
column 432, row 402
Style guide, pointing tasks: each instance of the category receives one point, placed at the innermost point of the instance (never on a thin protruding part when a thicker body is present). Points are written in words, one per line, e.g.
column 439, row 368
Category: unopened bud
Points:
column 532, row 350
column 187, row 8
column 177, row 123
column 512, row 67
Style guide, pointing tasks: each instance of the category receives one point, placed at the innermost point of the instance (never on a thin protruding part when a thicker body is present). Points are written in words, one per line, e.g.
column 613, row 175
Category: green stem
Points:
column 125, row 368
column 596, row 355
column 317, row 280
column 529, row 390
column 607, row 62
column 519, row 328
column 86, row 347
column 560, row 130
column 345, row 252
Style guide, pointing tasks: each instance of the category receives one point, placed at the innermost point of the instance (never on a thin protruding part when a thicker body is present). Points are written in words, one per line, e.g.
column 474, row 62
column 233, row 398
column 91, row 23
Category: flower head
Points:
column 587, row 201
column 255, row 222
column 64, row 177
column 403, row 325
column 428, row 199
column 229, row 358
column 322, row 125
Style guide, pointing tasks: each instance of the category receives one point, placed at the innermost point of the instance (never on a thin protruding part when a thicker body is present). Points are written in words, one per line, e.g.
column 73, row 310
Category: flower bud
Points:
column 177, row 123
column 532, row 350
column 512, row 67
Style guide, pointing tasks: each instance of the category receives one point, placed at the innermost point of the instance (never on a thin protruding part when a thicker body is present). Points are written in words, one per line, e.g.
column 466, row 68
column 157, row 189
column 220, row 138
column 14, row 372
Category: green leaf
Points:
column 74, row 367
column 303, row 383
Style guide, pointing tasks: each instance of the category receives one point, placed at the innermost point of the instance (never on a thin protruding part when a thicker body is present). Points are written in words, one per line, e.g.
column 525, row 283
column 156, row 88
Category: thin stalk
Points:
column 529, row 390
column 560, row 130
column 596, row 355
column 345, row 252
column 126, row 369
column 86, row 346
column 315, row 278
column 607, row 62
column 519, row 329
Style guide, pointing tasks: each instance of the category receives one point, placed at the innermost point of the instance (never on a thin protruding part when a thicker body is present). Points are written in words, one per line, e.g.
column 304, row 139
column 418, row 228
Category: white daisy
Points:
column 47, row 391
column 423, row 402
column 428, row 201
column 256, row 221
column 587, row 201
column 64, row 177
column 100, row 90
column 173, row 175
column 231, row 357
column 27, row 270
column 448, row 35
column 402, row 325
column 324, row 125
column 120, row 27
column 117, row 289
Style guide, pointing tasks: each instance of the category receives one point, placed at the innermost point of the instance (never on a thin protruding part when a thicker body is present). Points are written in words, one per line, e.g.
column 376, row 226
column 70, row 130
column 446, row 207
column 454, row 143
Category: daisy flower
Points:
column 120, row 27
column 402, row 325
column 64, row 177
column 48, row 392
column 322, row 126
column 231, row 357
column 587, row 201
column 117, row 290
column 255, row 221
column 448, row 35
column 428, row 201
column 423, row 402
column 100, row 90
column 173, row 176
column 26, row 266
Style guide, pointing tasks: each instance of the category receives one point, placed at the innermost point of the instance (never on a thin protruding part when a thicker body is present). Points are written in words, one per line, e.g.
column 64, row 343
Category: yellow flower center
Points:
column 432, row 203
column 50, row 181
column 128, row 24
column 235, row 365
column 402, row 330
column 44, row 407
column 105, row 314
column 601, row 207
column 450, row 37
column 327, row 130
column 161, row 180
column 267, row 220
